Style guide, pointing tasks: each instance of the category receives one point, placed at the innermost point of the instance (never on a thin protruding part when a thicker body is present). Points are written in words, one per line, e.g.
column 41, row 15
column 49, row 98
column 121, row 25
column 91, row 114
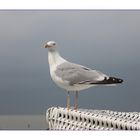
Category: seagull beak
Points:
column 45, row 46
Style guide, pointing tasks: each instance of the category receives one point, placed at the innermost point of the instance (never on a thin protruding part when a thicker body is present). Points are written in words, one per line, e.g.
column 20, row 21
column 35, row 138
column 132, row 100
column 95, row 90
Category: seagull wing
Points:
column 78, row 74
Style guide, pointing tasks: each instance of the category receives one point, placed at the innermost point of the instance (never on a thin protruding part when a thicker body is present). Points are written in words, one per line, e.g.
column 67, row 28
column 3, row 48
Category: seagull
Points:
column 74, row 77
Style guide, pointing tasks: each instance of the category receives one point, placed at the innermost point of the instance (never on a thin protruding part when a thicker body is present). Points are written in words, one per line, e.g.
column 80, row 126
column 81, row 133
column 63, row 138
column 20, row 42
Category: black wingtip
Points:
column 113, row 80
column 120, row 80
column 110, row 80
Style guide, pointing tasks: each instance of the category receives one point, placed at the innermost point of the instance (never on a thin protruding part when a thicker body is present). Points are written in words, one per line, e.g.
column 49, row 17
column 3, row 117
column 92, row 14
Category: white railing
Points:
column 84, row 119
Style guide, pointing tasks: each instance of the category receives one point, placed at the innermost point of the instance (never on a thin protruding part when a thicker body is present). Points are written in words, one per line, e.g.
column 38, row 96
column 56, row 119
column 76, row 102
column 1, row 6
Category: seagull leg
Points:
column 76, row 100
column 68, row 100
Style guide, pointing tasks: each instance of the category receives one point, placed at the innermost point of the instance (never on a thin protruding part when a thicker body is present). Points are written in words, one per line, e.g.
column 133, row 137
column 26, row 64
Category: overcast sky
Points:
column 108, row 41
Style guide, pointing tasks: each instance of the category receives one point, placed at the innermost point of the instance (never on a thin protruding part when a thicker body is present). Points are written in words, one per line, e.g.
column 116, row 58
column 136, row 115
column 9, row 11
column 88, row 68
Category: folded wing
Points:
column 78, row 74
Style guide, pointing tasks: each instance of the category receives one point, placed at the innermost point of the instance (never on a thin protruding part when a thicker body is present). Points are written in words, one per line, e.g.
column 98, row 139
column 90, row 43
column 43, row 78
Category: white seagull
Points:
column 74, row 77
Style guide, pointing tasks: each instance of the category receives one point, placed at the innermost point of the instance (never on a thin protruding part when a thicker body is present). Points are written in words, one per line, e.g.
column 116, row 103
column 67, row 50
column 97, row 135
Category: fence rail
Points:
column 84, row 119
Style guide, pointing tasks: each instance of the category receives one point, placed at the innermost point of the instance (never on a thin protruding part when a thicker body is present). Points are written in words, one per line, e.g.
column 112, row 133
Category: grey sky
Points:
column 105, row 40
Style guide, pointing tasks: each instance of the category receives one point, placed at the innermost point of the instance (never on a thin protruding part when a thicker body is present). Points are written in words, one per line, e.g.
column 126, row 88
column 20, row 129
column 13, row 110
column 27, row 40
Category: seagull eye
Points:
column 54, row 44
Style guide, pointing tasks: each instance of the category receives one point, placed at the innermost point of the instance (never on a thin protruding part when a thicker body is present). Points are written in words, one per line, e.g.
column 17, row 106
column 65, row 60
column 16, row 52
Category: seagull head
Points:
column 51, row 45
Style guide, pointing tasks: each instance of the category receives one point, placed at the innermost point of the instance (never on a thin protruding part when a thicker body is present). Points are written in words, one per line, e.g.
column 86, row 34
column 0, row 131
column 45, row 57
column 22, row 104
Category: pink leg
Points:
column 76, row 100
column 68, row 100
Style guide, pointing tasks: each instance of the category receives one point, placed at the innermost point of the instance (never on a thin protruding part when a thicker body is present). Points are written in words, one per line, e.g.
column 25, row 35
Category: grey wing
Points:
column 77, row 74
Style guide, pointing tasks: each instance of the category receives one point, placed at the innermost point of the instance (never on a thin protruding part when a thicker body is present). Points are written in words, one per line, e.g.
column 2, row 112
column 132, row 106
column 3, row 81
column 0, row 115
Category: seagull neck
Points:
column 54, row 58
